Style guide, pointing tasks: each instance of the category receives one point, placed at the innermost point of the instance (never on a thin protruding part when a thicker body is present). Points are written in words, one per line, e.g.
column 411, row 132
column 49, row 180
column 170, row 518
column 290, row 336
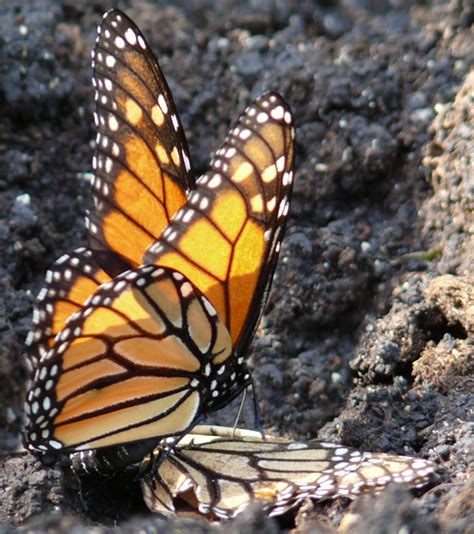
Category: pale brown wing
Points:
column 221, row 475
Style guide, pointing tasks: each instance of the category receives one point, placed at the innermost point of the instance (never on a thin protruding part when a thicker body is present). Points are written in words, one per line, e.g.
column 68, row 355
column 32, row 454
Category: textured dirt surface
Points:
column 368, row 338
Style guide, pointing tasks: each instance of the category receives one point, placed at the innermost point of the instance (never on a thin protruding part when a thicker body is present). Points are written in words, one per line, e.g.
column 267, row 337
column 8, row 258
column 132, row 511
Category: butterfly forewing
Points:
column 227, row 237
column 68, row 284
column 142, row 165
column 134, row 363
column 227, row 473
column 142, row 175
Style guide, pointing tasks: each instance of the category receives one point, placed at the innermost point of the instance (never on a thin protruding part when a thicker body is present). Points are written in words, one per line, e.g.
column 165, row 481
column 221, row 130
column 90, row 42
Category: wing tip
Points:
column 270, row 104
column 275, row 99
column 113, row 12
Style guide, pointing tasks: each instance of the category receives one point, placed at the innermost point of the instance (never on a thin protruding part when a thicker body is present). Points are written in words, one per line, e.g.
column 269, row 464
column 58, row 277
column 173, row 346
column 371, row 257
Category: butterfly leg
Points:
column 239, row 413
column 258, row 424
column 152, row 460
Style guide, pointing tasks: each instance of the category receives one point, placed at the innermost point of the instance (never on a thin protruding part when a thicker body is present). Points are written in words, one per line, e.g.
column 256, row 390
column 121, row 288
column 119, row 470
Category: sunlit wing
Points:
column 142, row 165
column 139, row 360
column 70, row 281
column 142, row 175
column 227, row 237
column 221, row 475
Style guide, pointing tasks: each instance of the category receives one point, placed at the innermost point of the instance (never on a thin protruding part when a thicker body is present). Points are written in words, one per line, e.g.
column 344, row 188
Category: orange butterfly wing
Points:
column 142, row 176
column 136, row 362
column 69, row 282
column 227, row 237
column 142, row 165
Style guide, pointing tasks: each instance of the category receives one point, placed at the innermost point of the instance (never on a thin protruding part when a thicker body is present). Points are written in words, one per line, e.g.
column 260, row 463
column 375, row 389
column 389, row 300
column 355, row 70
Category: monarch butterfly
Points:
column 220, row 474
column 140, row 334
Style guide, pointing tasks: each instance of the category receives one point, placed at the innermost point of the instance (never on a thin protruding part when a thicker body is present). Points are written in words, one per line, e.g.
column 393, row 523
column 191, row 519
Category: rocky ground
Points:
column 368, row 337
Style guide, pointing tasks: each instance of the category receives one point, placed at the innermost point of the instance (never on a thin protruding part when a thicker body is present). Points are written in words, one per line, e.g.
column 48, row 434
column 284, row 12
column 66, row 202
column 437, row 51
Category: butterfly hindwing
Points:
column 137, row 361
column 220, row 473
column 227, row 237
column 142, row 164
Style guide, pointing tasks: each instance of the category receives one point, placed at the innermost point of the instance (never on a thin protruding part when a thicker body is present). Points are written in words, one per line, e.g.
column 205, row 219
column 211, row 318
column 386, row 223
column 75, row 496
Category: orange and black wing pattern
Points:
column 219, row 473
column 142, row 176
column 141, row 165
column 70, row 281
column 137, row 361
column 139, row 335
column 227, row 237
